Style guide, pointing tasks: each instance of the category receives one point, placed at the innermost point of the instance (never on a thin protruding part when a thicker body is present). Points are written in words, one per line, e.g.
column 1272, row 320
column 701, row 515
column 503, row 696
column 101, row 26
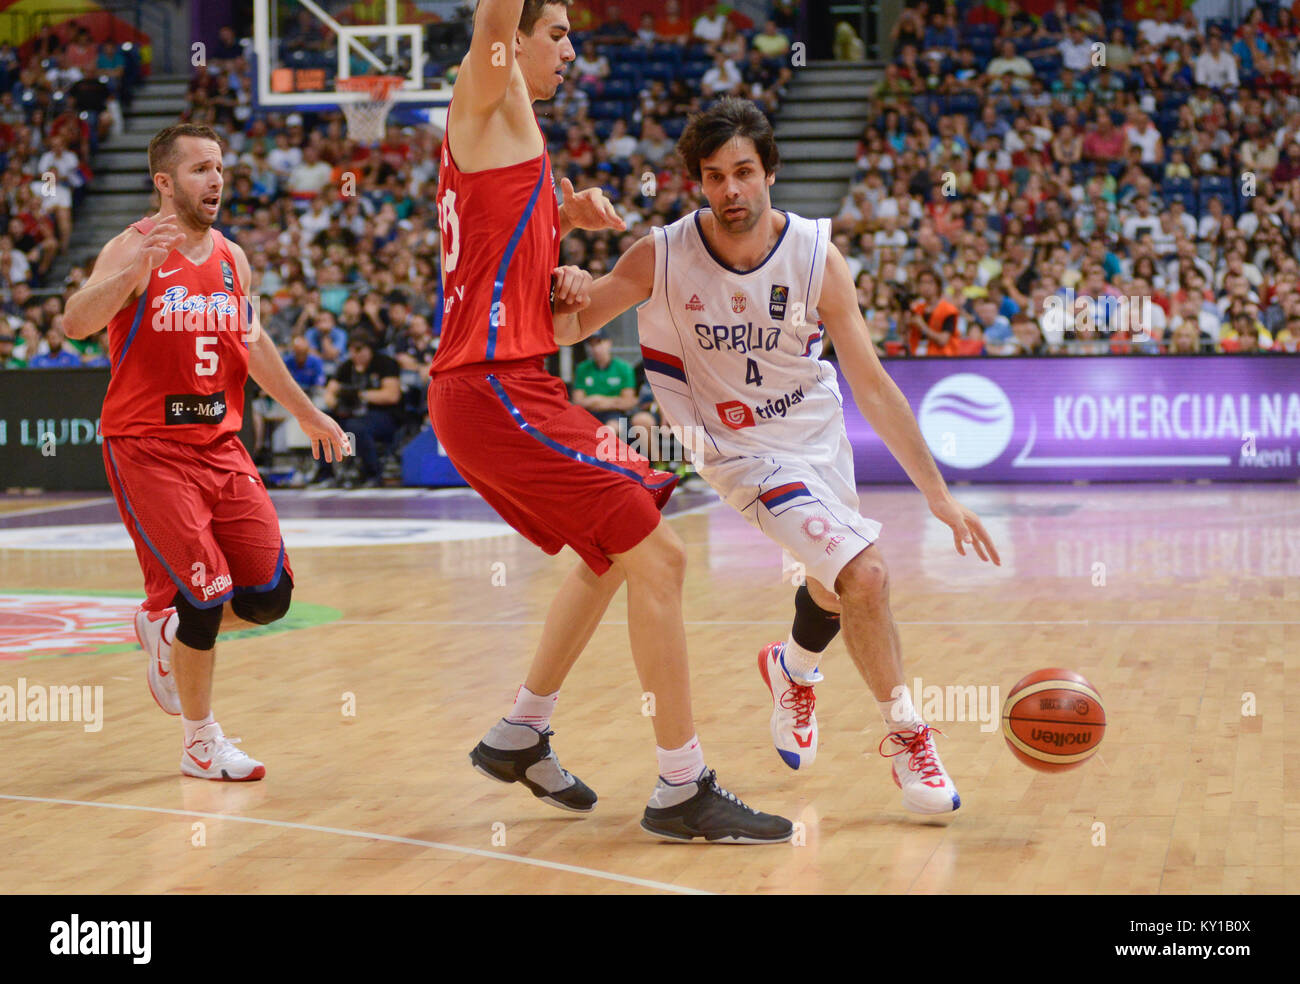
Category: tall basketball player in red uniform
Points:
column 183, row 338
column 510, row 431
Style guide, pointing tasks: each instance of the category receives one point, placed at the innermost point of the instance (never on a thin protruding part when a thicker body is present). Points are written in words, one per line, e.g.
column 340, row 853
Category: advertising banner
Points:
column 1098, row 419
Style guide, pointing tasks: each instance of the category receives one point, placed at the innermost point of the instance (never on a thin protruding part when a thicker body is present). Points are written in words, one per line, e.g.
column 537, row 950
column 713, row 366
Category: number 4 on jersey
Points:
column 752, row 375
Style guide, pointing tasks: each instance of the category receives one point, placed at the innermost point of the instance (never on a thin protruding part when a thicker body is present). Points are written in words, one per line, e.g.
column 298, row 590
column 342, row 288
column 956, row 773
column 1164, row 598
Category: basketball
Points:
column 1053, row 720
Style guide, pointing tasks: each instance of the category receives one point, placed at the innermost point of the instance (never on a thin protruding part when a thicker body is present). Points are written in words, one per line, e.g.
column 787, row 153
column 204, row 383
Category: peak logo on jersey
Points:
column 780, row 407
column 695, row 304
column 735, row 414
column 738, row 302
column 776, row 303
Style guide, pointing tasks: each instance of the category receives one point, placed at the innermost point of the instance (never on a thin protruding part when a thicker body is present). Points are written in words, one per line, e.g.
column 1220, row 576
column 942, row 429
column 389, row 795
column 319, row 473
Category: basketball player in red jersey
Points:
column 511, row 432
column 183, row 338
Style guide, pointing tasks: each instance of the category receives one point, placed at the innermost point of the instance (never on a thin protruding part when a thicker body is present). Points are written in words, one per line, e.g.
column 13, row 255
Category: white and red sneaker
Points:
column 211, row 755
column 794, row 725
column 149, row 628
column 926, row 786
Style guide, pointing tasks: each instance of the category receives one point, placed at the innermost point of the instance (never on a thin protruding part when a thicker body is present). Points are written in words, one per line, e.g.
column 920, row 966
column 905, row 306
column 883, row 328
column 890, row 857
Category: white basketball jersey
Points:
column 734, row 357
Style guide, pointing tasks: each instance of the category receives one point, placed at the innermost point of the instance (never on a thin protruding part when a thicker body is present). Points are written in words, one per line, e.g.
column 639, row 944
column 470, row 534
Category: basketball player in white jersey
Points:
column 737, row 296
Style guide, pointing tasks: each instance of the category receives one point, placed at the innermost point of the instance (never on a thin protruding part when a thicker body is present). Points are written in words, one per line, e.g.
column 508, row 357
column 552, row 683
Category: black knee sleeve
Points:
column 814, row 627
column 198, row 626
column 264, row 607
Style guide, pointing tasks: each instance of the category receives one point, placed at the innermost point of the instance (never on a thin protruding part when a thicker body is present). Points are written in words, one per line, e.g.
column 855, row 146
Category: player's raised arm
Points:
column 627, row 285
column 486, row 71
column 120, row 274
column 886, row 409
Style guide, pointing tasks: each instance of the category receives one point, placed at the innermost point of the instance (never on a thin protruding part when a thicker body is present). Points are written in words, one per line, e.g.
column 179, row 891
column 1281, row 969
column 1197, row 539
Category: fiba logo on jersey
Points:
column 966, row 420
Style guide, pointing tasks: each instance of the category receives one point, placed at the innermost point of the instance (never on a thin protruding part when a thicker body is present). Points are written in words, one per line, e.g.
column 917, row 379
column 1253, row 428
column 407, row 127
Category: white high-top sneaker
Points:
column 794, row 725
column 149, row 629
column 211, row 755
column 926, row 786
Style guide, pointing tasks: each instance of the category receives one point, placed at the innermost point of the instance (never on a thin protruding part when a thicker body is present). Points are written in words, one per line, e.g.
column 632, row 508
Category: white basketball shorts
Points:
column 809, row 507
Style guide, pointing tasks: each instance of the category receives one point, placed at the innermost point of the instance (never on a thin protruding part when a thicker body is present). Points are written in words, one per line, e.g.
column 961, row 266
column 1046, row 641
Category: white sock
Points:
column 192, row 726
column 680, row 765
column 532, row 710
column 899, row 713
column 800, row 664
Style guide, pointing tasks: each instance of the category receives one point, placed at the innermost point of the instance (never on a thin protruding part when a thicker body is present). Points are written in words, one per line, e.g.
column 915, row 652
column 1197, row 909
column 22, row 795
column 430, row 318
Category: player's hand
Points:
column 966, row 529
column 589, row 209
column 570, row 289
column 161, row 240
column 325, row 434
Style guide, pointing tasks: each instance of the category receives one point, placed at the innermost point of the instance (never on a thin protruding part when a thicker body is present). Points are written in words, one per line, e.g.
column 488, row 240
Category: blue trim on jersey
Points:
column 771, row 253
column 499, row 285
column 180, row 584
column 568, row 452
column 135, row 326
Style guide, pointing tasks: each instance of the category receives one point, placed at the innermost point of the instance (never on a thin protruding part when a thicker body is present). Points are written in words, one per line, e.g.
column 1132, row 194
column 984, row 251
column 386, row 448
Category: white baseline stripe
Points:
column 366, row 835
column 786, row 621
column 85, row 504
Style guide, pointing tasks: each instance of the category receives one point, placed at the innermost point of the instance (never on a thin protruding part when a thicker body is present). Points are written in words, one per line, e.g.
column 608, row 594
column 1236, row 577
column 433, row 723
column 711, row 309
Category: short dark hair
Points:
column 728, row 117
column 162, row 148
column 532, row 13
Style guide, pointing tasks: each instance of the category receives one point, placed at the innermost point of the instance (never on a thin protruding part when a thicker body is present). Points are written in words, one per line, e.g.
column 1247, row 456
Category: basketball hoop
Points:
column 366, row 116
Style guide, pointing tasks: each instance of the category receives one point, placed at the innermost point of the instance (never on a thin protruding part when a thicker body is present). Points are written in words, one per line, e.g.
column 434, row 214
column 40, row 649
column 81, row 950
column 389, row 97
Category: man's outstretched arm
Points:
column 627, row 285
column 886, row 409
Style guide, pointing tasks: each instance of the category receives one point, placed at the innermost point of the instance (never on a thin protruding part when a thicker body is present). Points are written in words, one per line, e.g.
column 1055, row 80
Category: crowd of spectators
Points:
column 60, row 95
column 344, row 236
column 1041, row 170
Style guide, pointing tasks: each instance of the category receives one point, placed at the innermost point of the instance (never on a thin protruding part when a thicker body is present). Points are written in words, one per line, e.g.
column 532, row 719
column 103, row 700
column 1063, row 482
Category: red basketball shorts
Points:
column 549, row 468
column 200, row 517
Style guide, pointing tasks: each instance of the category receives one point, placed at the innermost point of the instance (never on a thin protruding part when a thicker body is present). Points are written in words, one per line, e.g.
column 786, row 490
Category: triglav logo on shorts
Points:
column 735, row 414
column 966, row 420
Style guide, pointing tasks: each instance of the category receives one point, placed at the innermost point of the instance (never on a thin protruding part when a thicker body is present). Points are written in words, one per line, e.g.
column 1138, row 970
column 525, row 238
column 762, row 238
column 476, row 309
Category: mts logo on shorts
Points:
column 735, row 414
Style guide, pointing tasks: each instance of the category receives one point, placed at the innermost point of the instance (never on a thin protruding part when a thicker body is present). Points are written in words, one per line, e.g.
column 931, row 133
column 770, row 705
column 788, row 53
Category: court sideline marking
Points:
column 367, row 835
column 35, row 510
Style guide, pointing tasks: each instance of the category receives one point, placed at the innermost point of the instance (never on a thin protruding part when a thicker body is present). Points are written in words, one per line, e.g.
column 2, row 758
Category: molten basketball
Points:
column 1053, row 720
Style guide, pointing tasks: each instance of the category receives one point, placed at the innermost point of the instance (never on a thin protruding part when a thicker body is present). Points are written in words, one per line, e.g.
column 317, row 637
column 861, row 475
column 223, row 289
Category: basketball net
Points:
column 366, row 117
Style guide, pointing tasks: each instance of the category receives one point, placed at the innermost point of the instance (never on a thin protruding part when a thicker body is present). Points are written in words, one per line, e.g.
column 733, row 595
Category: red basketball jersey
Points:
column 500, row 242
column 179, row 354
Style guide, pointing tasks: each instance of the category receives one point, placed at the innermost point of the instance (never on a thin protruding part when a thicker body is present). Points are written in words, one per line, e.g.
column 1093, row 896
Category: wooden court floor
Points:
column 1181, row 604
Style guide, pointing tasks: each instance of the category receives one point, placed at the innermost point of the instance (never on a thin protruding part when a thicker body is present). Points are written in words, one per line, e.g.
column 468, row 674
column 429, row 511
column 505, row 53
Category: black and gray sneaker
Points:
column 518, row 753
column 704, row 809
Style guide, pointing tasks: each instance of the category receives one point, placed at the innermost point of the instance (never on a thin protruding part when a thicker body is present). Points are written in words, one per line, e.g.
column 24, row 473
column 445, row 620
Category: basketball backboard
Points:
column 301, row 48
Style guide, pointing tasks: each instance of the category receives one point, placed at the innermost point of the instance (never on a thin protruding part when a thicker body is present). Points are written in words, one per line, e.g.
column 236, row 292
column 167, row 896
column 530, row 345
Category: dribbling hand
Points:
column 966, row 529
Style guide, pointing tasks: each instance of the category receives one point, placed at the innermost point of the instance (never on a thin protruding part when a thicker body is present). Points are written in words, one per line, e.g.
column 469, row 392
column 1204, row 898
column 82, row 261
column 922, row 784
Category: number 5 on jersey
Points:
column 204, row 347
